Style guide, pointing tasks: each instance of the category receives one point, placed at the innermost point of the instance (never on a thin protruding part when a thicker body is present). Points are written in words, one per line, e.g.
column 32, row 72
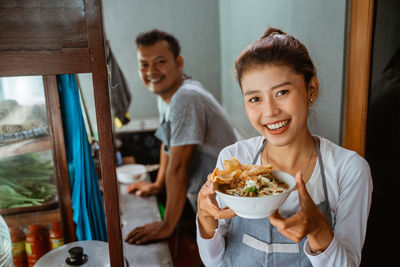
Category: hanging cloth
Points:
column 119, row 91
column 87, row 201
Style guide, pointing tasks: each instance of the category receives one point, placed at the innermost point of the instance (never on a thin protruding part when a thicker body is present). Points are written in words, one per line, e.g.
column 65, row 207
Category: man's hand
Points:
column 144, row 189
column 147, row 233
column 309, row 221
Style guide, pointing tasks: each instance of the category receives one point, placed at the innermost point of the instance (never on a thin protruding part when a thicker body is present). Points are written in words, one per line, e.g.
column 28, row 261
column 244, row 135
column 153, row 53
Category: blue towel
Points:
column 87, row 200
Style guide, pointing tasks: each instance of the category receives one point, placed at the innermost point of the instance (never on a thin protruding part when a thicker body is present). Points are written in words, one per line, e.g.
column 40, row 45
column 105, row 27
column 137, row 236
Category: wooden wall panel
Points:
column 23, row 63
column 42, row 24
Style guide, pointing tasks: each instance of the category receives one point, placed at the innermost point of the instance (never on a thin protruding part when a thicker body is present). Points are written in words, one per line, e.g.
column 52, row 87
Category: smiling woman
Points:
column 278, row 82
column 210, row 46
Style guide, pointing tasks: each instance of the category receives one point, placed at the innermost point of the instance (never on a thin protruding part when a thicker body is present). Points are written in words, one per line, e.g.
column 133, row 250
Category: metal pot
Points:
column 88, row 253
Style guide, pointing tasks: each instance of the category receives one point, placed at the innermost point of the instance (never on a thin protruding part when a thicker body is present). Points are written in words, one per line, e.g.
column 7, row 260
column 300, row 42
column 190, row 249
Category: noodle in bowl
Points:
column 260, row 206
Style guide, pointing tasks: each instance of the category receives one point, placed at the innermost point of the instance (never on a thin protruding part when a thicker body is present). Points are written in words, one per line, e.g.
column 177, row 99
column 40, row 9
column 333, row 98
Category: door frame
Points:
column 358, row 74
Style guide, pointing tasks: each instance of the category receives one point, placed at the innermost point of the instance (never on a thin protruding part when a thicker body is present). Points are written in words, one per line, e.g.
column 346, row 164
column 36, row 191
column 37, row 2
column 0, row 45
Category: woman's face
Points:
column 276, row 101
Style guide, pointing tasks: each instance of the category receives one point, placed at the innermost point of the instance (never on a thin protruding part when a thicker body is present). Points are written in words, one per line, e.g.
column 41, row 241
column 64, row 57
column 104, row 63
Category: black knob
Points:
column 76, row 256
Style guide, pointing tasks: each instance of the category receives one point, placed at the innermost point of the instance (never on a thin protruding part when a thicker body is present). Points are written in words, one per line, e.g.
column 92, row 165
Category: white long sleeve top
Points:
column 349, row 186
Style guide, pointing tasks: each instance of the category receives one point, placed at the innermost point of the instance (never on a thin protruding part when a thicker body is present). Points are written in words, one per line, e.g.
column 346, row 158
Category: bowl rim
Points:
column 125, row 168
column 125, row 174
column 268, row 196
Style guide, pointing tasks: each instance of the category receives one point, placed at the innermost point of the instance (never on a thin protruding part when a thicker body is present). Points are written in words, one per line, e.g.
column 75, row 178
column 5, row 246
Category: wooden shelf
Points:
column 34, row 217
column 25, row 146
column 35, row 42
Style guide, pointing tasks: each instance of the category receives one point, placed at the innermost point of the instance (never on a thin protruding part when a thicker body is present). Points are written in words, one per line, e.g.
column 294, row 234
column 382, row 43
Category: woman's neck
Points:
column 297, row 156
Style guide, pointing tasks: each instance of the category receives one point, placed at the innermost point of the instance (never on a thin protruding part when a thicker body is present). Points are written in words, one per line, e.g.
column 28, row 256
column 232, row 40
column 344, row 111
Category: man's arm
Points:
column 176, row 184
column 162, row 170
column 148, row 189
column 176, row 180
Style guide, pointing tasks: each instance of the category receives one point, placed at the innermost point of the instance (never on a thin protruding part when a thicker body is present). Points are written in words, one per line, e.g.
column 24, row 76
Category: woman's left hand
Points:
column 309, row 221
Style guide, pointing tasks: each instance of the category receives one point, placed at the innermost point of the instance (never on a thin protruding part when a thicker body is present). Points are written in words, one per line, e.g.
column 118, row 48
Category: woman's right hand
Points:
column 208, row 210
column 143, row 189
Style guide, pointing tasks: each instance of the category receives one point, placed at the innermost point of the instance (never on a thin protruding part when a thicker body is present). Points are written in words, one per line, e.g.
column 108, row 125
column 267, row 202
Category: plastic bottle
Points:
column 56, row 237
column 5, row 245
column 36, row 243
column 18, row 247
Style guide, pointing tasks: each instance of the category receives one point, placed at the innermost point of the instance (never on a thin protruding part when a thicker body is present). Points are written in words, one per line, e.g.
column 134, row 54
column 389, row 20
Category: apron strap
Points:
column 321, row 166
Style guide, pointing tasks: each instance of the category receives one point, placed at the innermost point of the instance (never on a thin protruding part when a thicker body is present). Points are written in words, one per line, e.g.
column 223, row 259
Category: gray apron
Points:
column 201, row 164
column 163, row 133
column 256, row 242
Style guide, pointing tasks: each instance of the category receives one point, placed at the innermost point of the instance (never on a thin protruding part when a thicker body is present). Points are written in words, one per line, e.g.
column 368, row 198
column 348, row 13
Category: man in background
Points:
column 194, row 128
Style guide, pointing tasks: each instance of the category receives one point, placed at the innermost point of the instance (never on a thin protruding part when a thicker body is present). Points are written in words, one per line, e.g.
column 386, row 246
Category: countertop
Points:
column 137, row 211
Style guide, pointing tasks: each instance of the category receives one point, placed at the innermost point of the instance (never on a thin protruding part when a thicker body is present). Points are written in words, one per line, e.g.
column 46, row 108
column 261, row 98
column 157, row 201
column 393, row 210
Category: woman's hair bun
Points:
column 271, row 31
column 276, row 47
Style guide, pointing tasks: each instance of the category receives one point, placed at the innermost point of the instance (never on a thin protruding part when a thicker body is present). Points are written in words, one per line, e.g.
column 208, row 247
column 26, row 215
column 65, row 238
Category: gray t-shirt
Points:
column 196, row 118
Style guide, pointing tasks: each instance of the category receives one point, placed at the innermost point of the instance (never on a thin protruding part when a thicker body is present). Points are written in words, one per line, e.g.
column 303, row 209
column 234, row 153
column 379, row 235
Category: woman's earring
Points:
column 310, row 106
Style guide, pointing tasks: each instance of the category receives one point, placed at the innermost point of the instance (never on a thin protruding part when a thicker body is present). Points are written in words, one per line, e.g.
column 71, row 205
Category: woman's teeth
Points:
column 277, row 126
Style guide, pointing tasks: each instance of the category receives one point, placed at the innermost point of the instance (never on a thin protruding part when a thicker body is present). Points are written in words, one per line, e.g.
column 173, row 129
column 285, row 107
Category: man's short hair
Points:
column 153, row 36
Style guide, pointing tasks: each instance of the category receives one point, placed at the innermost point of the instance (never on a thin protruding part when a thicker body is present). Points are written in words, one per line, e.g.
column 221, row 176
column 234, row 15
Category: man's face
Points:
column 159, row 70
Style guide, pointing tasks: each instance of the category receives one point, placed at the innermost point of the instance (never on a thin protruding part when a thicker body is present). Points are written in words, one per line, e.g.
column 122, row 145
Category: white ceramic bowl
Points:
column 131, row 173
column 259, row 207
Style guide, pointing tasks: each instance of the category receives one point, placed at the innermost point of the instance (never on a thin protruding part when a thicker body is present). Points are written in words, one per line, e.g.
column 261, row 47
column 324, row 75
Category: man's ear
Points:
column 313, row 89
column 180, row 62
